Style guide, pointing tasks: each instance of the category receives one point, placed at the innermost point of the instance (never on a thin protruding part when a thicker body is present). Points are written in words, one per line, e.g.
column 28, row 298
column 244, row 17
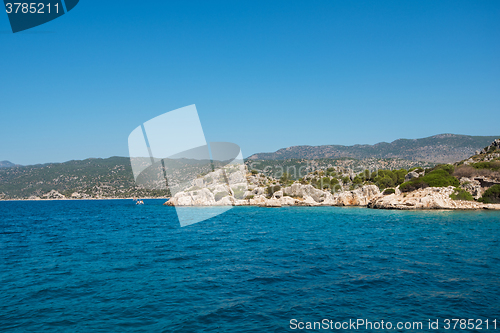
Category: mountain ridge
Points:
column 441, row 148
column 91, row 178
column 6, row 164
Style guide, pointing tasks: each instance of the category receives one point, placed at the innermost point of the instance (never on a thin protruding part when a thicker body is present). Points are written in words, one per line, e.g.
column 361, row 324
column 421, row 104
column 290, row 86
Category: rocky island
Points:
column 471, row 184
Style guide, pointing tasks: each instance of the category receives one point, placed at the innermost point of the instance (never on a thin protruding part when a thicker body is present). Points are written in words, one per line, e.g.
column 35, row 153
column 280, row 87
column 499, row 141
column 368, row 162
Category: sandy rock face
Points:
column 295, row 195
column 309, row 201
column 301, row 191
column 201, row 197
column 358, row 197
column 272, row 203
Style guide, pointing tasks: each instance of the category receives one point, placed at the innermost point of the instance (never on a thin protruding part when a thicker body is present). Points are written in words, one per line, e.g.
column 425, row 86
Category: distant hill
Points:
column 6, row 164
column 443, row 148
column 91, row 178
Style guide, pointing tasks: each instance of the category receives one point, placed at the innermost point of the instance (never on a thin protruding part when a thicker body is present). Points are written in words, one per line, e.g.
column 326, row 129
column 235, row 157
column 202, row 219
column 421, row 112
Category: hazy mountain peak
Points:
column 6, row 164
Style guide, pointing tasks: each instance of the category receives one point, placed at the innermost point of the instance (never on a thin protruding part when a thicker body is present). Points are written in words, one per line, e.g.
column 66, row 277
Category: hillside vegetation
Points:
column 90, row 178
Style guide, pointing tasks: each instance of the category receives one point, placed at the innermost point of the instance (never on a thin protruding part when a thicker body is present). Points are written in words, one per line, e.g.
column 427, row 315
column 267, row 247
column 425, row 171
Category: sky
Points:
column 262, row 74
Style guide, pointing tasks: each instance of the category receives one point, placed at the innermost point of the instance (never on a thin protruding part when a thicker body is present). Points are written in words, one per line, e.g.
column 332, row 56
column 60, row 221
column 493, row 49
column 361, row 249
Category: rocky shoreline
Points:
column 367, row 196
column 82, row 199
column 452, row 187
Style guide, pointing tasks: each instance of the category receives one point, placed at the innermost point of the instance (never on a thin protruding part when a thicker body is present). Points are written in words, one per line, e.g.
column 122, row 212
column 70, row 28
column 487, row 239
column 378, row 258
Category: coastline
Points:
column 430, row 198
column 478, row 206
column 84, row 199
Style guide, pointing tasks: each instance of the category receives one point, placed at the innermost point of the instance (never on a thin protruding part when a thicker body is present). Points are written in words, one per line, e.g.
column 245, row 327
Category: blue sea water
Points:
column 111, row 266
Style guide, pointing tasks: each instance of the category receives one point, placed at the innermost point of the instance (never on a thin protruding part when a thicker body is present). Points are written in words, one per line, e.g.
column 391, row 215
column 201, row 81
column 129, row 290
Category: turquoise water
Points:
column 111, row 266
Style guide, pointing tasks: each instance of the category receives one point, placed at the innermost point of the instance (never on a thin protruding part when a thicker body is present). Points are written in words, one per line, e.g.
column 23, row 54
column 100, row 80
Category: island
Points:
column 470, row 184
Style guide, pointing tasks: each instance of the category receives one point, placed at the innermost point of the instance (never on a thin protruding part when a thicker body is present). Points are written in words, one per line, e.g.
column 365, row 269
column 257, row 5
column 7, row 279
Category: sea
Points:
column 113, row 266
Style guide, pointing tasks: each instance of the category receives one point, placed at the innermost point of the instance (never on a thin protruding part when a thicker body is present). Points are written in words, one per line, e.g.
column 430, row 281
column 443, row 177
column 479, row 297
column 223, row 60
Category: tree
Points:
column 492, row 195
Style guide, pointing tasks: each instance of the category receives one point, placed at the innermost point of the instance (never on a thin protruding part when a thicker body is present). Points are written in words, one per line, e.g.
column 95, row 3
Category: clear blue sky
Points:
column 263, row 74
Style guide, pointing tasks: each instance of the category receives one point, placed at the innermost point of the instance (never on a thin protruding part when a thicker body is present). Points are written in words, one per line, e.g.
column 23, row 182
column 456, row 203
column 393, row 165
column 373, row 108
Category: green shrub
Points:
column 220, row 195
column 388, row 178
column 334, row 181
column 336, row 188
column 357, row 180
column 285, row 178
column 495, row 166
column 385, row 182
column 389, row 191
column 437, row 178
column 400, row 176
column 324, row 183
column 254, row 172
column 248, row 197
column 461, row 194
column 271, row 189
column 346, row 180
column 492, row 195
column 239, row 194
column 446, row 167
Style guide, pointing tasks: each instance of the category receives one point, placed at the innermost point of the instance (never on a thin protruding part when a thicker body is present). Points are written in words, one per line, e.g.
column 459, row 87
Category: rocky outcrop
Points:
column 487, row 154
column 472, row 186
column 53, row 195
column 495, row 145
column 358, row 197
column 413, row 174
column 368, row 195
column 428, row 198
column 486, row 182
column 295, row 195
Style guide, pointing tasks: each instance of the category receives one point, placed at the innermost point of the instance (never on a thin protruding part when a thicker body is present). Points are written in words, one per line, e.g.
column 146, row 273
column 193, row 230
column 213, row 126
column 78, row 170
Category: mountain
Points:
column 91, row 178
column 442, row 148
column 6, row 164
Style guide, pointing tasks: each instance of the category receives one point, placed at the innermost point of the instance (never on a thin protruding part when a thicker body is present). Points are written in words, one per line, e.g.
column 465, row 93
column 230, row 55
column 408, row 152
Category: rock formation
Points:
column 428, row 198
column 53, row 195
column 237, row 188
column 295, row 195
